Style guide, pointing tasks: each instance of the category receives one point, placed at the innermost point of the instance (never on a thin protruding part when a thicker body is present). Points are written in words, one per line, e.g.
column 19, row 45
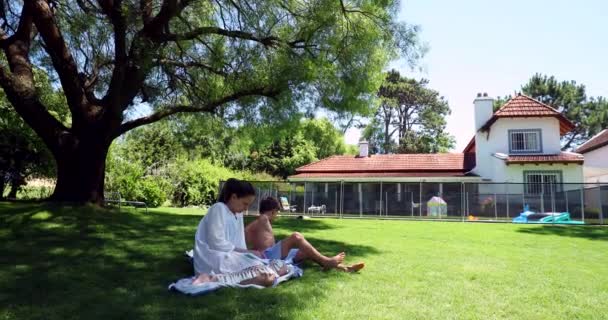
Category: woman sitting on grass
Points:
column 219, row 243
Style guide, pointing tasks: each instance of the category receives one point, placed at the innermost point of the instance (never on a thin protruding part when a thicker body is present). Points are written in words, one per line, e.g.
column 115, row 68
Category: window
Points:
column 543, row 182
column 525, row 141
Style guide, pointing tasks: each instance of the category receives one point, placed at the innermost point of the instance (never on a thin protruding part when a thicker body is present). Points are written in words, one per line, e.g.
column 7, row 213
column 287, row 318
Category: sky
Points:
column 496, row 46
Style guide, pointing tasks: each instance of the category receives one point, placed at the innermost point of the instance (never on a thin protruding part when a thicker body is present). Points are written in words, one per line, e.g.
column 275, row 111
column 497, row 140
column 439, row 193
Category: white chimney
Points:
column 363, row 149
column 483, row 109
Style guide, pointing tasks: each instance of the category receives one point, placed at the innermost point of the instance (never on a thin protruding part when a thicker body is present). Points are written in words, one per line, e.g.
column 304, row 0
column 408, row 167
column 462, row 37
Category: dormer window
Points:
column 525, row 141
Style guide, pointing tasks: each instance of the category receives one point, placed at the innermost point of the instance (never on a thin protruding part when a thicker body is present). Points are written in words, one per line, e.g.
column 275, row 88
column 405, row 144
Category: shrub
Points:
column 153, row 191
column 128, row 179
column 34, row 192
column 197, row 182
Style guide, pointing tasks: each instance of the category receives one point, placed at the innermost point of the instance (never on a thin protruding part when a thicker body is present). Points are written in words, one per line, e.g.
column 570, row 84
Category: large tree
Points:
column 589, row 114
column 410, row 118
column 222, row 56
column 22, row 153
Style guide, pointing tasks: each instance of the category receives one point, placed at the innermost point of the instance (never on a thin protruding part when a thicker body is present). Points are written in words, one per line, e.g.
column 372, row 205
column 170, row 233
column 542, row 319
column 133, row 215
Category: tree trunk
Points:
column 15, row 185
column 387, row 138
column 2, row 185
column 81, row 172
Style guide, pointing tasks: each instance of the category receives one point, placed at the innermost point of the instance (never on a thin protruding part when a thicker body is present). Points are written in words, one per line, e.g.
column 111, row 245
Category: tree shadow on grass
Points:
column 587, row 232
column 92, row 263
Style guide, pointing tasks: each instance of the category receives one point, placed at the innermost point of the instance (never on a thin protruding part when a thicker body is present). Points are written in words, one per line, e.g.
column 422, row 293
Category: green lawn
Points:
column 88, row 263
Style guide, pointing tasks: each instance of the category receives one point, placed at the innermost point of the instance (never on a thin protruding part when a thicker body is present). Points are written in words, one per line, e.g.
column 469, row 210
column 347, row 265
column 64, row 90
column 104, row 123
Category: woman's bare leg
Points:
column 202, row 278
column 262, row 279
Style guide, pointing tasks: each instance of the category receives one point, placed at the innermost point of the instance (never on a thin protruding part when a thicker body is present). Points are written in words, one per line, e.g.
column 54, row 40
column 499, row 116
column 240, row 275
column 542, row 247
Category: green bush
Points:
column 34, row 192
column 153, row 191
column 197, row 182
column 124, row 177
column 128, row 179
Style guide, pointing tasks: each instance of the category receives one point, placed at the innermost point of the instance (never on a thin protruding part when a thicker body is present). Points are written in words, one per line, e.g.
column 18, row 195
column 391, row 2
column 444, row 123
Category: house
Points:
column 595, row 151
column 519, row 144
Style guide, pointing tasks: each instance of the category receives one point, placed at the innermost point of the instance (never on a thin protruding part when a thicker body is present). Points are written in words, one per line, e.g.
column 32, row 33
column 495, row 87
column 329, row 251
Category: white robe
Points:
column 218, row 234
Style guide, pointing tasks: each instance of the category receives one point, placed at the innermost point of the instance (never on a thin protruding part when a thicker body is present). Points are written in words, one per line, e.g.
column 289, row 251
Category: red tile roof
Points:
column 439, row 162
column 564, row 157
column 380, row 174
column 523, row 106
column 597, row 141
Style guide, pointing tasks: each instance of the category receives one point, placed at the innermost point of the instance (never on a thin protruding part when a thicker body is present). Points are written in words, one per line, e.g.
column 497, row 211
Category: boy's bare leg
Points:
column 307, row 251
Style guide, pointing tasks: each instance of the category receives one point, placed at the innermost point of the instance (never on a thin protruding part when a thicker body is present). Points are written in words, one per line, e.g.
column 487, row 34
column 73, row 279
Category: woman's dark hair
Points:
column 235, row 186
column 269, row 204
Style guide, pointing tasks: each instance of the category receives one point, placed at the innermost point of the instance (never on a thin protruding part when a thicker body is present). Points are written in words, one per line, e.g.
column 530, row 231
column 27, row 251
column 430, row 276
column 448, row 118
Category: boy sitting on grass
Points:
column 259, row 235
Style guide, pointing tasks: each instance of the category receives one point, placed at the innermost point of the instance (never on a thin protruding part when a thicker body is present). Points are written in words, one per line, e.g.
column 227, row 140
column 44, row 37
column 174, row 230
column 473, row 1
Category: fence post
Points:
column 553, row 207
column 360, row 198
column 381, row 198
column 507, row 195
column 582, row 203
column 495, row 204
column 412, row 203
column 567, row 193
column 304, row 204
column 336, row 210
column 462, row 199
column 341, row 198
column 420, row 200
column 386, row 204
column 542, row 201
column 599, row 191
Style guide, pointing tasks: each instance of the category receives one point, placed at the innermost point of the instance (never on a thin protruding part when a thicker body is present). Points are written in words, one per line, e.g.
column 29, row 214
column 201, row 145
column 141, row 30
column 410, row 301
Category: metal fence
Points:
column 464, row 201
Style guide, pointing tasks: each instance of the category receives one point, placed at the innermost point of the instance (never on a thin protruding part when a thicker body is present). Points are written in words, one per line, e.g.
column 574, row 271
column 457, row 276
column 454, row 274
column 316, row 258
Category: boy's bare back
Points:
column 258, row 233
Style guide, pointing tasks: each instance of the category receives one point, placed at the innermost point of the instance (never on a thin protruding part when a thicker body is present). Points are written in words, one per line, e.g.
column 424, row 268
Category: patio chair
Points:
column 286, row 207
column 116, row 198
column 317, row 209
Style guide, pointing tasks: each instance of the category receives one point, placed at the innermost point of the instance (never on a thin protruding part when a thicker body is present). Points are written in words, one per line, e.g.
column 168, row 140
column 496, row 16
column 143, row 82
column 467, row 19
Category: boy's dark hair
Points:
column 269, row 204
column 235, row 186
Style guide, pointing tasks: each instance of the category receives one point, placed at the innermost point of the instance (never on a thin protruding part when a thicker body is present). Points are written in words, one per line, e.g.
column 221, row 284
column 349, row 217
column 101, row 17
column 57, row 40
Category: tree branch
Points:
column 27, row 105
column 190, row 64
column 63, row 61
column 269, row 41
column 161, row 114
column 146, row 10
column 168, row 10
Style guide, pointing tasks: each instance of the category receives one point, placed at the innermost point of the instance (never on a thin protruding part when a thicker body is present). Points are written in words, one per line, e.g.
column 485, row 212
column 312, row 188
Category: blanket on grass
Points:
column 185, row 285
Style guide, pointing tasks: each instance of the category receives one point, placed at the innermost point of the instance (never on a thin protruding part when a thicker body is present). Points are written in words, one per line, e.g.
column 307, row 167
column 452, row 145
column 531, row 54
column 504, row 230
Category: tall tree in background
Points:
column 327, row 140
column 300, row 144
column 411, row 114
column 225, row 57
column 589, row 114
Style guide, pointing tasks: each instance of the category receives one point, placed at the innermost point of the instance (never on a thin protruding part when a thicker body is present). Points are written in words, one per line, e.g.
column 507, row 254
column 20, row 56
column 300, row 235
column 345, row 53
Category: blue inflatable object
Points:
column 548, row 217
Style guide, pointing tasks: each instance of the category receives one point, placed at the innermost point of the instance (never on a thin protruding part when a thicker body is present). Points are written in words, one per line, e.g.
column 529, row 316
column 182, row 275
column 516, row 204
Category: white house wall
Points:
column 596, row 165
column 514, row 175
column 496, row 140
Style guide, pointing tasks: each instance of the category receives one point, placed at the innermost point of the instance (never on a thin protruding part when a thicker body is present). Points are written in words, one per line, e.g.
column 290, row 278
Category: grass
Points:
column 89, row 263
